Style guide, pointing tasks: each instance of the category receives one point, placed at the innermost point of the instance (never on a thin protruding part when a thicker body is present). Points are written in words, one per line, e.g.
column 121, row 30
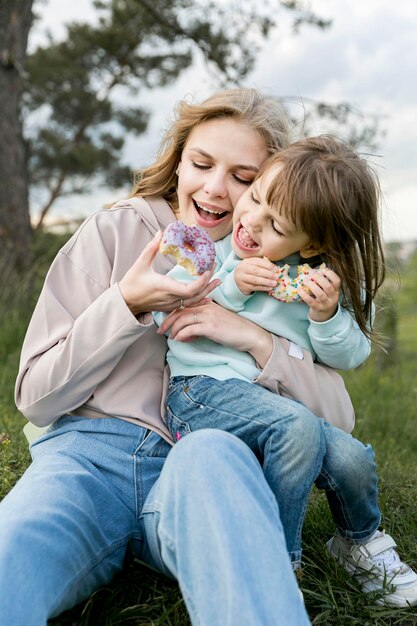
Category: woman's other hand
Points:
column 212, row 321
column 144, row 290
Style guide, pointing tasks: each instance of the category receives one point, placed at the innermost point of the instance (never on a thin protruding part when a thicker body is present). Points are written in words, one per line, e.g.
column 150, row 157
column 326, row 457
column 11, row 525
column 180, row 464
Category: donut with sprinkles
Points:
column 191, row 246
column 286, row 289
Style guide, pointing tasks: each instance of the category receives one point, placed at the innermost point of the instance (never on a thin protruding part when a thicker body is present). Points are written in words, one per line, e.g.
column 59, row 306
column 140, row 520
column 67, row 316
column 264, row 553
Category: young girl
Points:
column 316, row 201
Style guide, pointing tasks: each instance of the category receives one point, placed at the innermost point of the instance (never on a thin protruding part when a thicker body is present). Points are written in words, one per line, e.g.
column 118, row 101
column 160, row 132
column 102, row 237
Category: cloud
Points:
column 368, row 57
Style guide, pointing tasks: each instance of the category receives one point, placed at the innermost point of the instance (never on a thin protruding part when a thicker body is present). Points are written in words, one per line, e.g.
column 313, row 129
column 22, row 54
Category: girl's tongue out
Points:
column 245, row 239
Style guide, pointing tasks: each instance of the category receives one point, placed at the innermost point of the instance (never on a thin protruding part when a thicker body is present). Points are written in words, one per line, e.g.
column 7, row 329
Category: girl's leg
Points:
column 65, row 526
column 212, row 522
column 285, row 436
column 350, row 478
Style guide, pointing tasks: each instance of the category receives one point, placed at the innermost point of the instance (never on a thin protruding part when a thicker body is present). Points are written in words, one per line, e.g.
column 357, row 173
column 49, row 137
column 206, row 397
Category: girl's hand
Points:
column 212, row 321
column 321, row 291
column 255, row 274
column 144, row 290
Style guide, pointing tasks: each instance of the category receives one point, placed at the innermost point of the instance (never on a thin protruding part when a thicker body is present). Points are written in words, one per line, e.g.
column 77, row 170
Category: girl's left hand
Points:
column 321, row 291
column 212, row 321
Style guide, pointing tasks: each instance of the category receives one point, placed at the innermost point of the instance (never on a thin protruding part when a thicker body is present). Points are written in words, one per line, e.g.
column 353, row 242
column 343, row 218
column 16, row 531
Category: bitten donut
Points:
column 286, row 289
column 191, row 246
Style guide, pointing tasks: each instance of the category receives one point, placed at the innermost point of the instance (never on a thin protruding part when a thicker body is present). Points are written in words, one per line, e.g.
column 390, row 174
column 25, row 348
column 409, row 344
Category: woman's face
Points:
column 218, row 163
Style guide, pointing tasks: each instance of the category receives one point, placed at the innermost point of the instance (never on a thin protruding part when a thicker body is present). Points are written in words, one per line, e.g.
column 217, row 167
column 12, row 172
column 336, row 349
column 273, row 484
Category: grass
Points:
column 384, row 392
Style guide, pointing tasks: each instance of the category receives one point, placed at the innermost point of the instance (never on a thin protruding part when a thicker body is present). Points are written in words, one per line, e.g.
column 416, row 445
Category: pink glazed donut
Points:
column 286, row 289
column 191, row 246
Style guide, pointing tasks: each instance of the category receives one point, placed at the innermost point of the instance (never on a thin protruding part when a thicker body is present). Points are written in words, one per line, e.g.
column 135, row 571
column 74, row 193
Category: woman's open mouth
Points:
column 208, row 217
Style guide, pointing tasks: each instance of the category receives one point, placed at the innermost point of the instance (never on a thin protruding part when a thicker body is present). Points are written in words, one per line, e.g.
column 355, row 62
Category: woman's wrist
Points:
column 129, row 295
column 262, row 345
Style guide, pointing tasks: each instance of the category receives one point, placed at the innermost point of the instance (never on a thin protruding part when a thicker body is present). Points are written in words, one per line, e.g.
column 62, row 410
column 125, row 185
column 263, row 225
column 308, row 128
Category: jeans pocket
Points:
column 176, row 426
column 176, row 383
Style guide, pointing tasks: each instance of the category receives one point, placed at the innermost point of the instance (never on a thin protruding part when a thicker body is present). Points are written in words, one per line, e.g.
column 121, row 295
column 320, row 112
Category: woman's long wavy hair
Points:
column 262, row 113
column 333, row 195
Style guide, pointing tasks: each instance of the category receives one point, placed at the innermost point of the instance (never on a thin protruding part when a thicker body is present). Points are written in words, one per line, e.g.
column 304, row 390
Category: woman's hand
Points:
column 144, row 290
column 321, row 291
column 212, row 321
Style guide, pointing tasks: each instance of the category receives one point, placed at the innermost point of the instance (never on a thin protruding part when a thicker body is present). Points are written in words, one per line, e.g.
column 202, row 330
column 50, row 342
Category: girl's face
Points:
column 261, row 231
column 220, row 160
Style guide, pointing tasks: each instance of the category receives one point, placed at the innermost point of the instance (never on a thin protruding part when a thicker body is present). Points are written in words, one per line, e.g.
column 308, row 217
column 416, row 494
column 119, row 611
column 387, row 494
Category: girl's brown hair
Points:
column 333, row 195
column 262, row 113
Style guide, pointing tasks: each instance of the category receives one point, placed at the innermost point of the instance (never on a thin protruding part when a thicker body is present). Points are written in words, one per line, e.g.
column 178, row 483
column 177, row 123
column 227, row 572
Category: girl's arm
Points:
column 339, row 342
column 334, row 334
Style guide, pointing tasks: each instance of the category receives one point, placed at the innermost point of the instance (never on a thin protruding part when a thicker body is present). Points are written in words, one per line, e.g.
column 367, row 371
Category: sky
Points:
column 368, row 57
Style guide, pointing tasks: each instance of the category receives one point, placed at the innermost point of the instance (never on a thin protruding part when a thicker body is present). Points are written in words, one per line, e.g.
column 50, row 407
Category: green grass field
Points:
column 384, row 392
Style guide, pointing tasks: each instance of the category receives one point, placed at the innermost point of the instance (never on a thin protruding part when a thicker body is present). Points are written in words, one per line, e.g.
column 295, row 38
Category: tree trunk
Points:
column 15, row 229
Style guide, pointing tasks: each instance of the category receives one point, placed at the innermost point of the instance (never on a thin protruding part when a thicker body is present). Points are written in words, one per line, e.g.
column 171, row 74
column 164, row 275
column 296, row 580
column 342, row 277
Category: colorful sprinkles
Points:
column 286, row 289
column 191, row 246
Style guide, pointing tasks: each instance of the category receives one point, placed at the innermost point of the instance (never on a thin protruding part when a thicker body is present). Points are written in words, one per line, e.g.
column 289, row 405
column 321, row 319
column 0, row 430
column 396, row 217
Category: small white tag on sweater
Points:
column 296, row 351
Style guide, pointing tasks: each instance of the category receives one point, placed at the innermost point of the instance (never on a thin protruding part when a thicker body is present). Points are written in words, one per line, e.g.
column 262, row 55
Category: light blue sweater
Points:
column 337, row 342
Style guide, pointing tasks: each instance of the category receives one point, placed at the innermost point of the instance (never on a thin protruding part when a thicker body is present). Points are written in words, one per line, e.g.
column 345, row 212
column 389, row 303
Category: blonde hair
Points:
column 262, row 113
column 328, row 191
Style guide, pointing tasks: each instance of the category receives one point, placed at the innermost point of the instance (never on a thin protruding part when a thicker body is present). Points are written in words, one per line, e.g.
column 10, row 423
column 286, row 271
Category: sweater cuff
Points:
column 231, row 291
column 334, row 326
column 143, row 319
column 270, row 369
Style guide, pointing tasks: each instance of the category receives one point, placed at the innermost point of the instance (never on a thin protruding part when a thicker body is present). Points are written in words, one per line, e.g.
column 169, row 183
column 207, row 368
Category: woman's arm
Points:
column 82, row 325
column 287, row 372
column 214, row 322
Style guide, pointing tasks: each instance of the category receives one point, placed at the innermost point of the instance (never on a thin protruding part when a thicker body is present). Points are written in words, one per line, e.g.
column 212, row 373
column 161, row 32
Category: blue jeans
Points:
column 97, row 486
column 295, row 448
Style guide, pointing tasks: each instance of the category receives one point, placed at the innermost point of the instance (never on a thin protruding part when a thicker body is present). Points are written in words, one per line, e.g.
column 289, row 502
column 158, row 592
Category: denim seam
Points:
column 298, row 536
column 154, row 507
column 335, row 490
column 142, row 443
column 91, row 566
column 200, row 406
column 336, row 493
column 174, row 424
column 137, row 483
column 188, row 601
column 360, row 537
column 353, row 536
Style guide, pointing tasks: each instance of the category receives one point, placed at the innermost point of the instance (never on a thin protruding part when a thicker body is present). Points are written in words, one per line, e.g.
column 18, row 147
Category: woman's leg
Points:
column 212, row 522
column 284, row 435
column 65, row 526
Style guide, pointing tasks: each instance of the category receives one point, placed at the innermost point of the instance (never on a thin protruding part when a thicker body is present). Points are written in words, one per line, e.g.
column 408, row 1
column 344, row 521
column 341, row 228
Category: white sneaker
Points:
column 378, row 567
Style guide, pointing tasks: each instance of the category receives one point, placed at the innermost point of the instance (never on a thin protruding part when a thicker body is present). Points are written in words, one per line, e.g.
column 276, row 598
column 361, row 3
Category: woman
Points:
column 98, row 482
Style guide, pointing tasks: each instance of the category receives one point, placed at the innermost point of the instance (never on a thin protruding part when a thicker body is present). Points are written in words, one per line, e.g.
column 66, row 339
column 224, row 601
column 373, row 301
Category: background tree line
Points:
column 77, row 92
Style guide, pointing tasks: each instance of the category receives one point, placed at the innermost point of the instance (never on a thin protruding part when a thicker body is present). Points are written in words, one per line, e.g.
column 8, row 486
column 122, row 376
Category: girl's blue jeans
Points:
column 296, row 450
column 204, row 515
